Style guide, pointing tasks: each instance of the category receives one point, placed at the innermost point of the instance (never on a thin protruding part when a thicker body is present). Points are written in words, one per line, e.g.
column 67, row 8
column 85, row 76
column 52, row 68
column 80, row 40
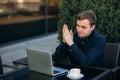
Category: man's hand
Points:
column 67, row 35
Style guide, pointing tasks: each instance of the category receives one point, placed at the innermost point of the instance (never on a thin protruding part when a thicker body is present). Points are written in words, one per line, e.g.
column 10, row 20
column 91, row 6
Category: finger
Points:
column 71, row 32
column 64, row 27
column 63, row 31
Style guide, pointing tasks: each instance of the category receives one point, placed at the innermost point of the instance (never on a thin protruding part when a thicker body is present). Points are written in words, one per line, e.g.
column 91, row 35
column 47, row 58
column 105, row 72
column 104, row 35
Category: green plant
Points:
column 107, row 12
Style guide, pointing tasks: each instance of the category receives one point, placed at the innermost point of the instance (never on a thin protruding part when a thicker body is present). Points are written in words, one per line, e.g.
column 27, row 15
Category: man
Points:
column 86, row 46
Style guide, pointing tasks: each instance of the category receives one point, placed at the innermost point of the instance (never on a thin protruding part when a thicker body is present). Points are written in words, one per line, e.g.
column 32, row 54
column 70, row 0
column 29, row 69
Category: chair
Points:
column 16, row 74
column 1, row 69
column 2, row 65
column 112, row 59
column 111, row 56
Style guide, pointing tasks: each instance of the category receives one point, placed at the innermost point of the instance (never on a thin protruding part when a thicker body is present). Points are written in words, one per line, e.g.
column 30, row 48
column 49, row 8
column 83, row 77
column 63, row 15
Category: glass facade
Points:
column 35, row 16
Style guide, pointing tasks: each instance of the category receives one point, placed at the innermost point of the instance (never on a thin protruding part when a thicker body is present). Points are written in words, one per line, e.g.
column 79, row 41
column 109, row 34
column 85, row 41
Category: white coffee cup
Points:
column 74, row 72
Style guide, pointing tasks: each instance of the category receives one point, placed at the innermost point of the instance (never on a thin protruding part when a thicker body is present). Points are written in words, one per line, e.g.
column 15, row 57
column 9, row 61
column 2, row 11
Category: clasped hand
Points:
column 67, row 35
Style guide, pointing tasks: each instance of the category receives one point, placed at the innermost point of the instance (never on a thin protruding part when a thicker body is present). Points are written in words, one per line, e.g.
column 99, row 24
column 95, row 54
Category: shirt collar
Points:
column 88, row 37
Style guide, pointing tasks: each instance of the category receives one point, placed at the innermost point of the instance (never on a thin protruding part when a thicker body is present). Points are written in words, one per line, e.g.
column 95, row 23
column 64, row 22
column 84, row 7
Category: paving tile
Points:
column 17, row 50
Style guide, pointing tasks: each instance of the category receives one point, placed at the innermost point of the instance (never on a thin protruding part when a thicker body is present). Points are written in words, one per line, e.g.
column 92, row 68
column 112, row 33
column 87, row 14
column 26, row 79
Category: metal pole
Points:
column 46, row 19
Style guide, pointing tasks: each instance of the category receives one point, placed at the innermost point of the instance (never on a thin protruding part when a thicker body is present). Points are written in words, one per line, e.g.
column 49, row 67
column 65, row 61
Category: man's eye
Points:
column 83, row 27
column 77, row 25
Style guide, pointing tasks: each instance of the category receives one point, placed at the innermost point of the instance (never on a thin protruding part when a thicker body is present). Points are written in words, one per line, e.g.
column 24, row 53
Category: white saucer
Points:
column 75, row 78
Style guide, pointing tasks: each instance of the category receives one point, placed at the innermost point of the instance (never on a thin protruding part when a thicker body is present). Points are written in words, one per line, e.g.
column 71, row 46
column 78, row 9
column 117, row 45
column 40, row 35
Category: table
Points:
column 22, row 61
column 25, row 74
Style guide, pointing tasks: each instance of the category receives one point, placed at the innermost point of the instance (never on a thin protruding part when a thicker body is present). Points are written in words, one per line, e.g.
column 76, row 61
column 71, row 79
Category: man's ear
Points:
column 93, row 27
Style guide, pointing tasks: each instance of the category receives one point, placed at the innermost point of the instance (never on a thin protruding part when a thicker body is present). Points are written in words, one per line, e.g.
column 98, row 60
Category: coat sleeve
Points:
column 61, row 52
column 91, row 56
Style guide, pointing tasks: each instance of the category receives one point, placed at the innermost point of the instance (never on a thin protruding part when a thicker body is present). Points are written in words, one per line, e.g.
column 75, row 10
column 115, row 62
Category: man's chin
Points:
column 81, row 36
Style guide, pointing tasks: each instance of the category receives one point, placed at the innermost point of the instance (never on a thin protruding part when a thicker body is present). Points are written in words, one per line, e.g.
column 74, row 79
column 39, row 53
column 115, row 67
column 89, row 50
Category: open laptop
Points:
column 41, row 61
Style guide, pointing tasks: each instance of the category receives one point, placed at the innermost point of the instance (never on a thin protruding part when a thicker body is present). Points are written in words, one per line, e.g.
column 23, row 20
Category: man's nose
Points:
column 79, row 29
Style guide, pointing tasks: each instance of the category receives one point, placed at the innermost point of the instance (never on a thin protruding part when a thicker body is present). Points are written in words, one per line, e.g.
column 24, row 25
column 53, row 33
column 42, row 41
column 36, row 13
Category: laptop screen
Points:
column 41, row 61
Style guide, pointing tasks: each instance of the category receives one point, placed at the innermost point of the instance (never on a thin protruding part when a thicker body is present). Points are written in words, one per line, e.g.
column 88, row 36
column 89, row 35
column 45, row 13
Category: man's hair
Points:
column 89, row 14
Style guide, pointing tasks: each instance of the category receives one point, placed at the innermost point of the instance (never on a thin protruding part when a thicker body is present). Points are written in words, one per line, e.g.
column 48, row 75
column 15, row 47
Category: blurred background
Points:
column 25, row 18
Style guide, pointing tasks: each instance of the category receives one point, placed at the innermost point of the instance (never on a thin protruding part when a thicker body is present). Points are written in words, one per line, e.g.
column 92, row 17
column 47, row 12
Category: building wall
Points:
column 21, row 30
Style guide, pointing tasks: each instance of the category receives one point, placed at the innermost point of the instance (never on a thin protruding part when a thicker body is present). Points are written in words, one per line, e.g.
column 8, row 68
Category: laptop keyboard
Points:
column 55, row 71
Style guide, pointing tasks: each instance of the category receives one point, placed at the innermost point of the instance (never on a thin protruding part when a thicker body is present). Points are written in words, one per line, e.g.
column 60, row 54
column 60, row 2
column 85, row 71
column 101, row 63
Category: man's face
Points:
column 84, row 28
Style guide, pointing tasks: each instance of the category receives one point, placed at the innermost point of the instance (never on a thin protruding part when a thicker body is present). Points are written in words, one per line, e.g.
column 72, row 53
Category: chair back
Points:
column 1, row 68
column 112, row 53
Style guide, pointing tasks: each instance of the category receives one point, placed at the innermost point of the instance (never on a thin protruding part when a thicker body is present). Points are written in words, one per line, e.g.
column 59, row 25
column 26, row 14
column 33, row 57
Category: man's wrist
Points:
column 71, row 43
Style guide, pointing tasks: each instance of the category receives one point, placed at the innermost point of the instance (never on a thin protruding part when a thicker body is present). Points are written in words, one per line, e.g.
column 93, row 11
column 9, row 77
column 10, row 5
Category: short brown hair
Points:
column 89, row 14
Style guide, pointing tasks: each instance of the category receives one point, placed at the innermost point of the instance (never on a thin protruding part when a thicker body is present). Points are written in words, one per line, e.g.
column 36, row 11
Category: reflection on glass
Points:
column 26, row 18
column 27, row 9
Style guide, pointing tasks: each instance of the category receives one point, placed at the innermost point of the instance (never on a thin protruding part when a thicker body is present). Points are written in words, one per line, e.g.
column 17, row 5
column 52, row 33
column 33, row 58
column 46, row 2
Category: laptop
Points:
column 41, row 61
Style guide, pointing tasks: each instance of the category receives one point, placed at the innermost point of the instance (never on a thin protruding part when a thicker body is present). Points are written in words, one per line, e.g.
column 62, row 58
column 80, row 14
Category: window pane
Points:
column 26, row 18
